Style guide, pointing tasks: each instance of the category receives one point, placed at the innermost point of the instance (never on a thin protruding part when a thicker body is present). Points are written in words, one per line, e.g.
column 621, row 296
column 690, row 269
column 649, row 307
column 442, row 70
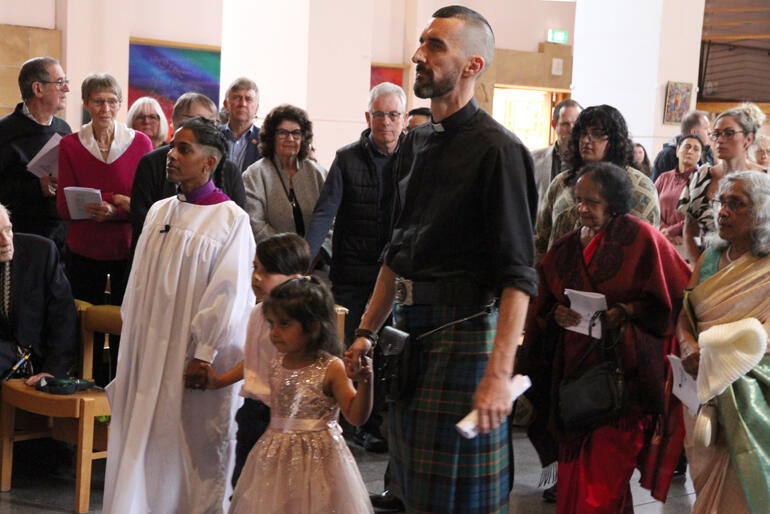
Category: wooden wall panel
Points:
column 18, row 44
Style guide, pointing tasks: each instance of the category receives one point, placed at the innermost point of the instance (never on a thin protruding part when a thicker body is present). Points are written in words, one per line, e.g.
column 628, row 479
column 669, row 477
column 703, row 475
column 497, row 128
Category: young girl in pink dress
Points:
column 302, row 464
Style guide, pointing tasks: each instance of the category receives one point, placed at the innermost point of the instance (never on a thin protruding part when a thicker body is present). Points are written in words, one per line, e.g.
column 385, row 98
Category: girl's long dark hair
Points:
column 309, row 302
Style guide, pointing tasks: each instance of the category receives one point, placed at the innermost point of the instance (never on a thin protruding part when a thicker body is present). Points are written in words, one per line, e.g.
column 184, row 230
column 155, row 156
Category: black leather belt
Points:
column 440, row 292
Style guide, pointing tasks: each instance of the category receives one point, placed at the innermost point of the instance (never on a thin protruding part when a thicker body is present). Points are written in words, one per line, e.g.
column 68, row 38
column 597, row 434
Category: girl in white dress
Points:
column 302, row 464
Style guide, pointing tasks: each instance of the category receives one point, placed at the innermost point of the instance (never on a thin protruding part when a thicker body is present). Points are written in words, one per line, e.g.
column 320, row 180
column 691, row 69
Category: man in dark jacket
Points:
column 37, row 312
column 359, row 191
column 694, row 122
column 23, row 133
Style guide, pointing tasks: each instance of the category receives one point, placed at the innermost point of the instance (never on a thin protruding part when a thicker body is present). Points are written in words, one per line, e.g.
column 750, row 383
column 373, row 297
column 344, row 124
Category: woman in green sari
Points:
column 731, row 283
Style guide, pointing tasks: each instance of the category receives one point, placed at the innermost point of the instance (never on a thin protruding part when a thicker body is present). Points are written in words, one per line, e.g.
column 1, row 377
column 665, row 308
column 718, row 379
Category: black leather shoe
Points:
column 549, row 495
column 386, row 501
column 370, row 441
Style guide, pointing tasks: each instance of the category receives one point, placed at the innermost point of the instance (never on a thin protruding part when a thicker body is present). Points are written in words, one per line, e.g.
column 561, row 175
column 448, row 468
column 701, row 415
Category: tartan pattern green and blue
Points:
column 440, row 471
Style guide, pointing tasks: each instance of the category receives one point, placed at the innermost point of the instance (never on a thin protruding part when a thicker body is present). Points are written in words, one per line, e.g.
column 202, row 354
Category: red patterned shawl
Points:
column 634, row 264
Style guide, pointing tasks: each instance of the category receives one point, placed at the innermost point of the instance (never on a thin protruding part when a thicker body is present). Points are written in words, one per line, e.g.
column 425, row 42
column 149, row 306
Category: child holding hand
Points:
column 302, row 464
column 278, row 258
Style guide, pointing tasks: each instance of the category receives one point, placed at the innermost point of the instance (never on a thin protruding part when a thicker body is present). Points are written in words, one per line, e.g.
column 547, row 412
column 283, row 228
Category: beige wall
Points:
column 17, row 44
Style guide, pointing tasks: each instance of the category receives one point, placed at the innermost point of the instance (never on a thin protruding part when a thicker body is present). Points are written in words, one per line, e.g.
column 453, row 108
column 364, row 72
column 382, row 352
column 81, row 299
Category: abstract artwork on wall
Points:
column 677, row 102
column 387, row 73
column 165, row 71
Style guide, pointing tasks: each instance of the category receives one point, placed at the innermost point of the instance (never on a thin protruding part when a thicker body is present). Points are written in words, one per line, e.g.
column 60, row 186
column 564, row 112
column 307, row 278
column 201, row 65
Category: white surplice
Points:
column 189, row 295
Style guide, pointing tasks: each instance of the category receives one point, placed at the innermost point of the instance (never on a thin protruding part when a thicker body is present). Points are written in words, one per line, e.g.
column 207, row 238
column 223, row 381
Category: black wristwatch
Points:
column 368, row 334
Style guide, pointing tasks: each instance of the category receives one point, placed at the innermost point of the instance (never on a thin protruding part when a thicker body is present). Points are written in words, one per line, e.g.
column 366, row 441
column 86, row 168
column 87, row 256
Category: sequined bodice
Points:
column 298, row 393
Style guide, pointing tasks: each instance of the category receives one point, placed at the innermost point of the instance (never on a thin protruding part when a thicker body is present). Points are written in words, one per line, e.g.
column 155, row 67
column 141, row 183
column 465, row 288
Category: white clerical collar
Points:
column 123, row 137
column 438, row 127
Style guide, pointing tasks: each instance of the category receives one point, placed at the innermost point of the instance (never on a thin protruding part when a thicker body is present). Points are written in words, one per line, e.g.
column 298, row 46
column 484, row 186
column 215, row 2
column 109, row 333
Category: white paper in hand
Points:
column 685, row 387
column 586, row 303
column 46, row 162
column 77, row 197
column 468, row 427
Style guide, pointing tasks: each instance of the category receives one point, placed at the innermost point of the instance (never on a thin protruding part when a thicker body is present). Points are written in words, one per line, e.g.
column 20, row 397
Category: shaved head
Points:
column 478, row 38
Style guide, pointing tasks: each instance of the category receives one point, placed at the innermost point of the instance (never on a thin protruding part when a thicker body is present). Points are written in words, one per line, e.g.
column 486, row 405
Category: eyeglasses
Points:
column 393, row 115
column 732, row 205
column 111, row 102
column 594, row 135
column 60, row 83
column 283, row 133
column 728, row 133
column 147, row 117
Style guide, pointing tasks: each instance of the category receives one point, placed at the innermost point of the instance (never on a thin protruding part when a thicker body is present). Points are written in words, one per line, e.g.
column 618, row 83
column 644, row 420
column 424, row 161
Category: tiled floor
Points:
column 40, row 492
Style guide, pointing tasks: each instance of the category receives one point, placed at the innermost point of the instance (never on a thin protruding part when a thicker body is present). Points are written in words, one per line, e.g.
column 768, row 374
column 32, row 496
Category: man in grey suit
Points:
column 548, row 161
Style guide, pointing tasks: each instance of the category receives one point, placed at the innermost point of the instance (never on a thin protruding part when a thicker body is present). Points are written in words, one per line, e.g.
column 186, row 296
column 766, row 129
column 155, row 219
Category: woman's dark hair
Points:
column 282, row 113
column 620, row 148
column 613, row 184
column 309, row 302
column 284, row 254
column 681, row 139
column 645, row 164
column 207, row 134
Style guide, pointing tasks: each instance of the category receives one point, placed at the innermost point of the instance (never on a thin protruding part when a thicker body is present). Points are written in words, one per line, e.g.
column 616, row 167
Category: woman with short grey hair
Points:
column 103, row 156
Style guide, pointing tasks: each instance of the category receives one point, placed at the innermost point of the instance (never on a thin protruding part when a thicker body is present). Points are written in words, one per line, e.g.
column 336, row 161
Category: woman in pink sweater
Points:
column 671, row 183
column 103, row 155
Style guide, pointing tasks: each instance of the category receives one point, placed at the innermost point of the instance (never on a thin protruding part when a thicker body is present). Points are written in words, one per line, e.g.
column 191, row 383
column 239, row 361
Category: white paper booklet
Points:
column 77, row 197
column 468, row 426
column 685, row 387
column 586, row 304
column 46, row 162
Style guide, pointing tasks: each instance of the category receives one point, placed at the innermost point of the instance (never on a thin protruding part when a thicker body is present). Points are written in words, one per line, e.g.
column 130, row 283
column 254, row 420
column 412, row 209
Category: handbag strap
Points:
column 601, row 316
column 296, row 210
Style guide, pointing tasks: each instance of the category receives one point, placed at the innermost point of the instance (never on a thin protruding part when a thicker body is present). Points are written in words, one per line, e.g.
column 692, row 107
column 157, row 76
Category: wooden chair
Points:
column 73, row 416
column 341, row 313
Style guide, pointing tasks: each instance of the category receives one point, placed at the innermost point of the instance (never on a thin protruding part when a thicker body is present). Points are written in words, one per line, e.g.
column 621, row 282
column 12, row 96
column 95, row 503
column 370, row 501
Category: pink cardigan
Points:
column 101, row 241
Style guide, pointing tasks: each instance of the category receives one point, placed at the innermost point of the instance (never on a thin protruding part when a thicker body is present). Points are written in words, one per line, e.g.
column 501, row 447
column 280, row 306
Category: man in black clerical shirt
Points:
column 465, row 205
column 23, row 133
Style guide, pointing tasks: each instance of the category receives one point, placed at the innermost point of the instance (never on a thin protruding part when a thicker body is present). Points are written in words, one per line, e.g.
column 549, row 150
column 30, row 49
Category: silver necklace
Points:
column 727, row 254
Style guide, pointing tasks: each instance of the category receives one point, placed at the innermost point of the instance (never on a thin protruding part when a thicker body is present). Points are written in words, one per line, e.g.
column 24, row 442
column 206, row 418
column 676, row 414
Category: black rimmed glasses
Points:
column 393, row 115
column 727, row 133
column 594, row 134
column 147, row 117
column 283, row 133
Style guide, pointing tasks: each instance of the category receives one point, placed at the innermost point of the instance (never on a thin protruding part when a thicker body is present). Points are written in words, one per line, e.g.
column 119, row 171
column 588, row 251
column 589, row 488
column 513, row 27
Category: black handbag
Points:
column 400, row 363
column 600, row 394
column 402, row 358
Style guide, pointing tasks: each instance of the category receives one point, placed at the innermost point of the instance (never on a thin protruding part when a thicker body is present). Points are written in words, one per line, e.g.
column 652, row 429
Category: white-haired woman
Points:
column 146, row 116
column 731, row 283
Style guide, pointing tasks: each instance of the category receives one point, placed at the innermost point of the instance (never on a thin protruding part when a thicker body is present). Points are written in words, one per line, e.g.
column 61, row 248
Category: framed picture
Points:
column 677, row 102
column 382, row 72
column 166, row 70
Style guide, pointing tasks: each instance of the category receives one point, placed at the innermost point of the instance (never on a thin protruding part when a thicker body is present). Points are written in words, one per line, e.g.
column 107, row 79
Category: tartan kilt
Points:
column 438, row 470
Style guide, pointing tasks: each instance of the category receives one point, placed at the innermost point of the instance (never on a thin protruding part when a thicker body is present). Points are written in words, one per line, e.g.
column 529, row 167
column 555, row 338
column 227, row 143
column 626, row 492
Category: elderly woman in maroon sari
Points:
column 643, row 279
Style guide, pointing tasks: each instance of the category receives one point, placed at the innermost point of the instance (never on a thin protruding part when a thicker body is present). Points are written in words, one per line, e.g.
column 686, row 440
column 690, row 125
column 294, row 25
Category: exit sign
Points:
column 557, row 36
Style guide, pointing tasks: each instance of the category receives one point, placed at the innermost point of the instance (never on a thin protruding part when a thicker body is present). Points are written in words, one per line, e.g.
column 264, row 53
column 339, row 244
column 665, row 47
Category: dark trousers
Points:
column 354, row 298
column 253, row 418
column 88, row 278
